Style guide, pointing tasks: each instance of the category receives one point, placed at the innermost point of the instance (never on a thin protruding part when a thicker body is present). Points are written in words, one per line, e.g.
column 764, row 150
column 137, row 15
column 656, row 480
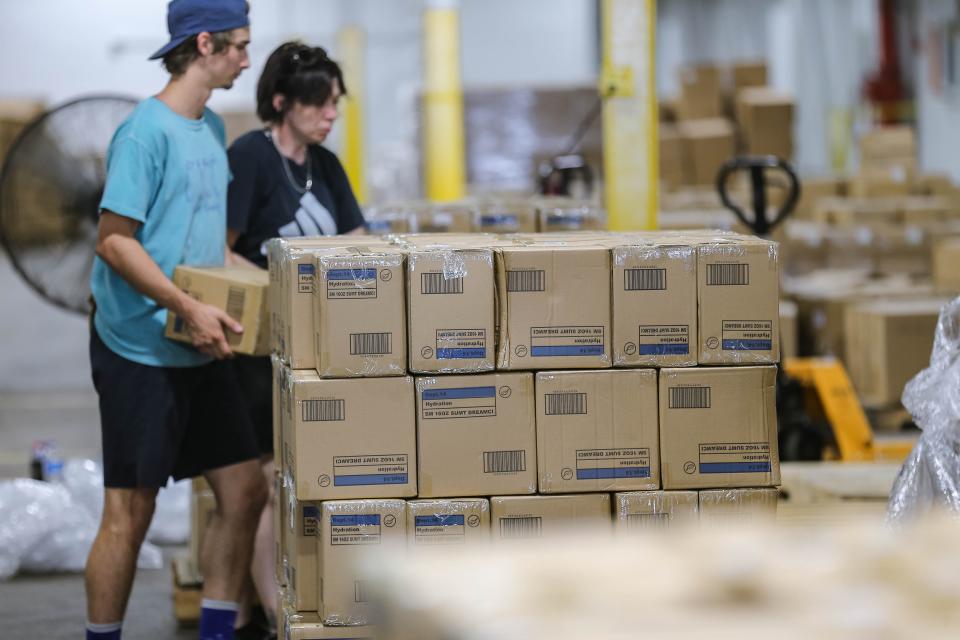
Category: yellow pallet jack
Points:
column 820, row 416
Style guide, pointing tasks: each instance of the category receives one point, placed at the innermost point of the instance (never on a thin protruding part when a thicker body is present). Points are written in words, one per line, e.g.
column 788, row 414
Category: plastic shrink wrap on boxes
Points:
column 930, row 477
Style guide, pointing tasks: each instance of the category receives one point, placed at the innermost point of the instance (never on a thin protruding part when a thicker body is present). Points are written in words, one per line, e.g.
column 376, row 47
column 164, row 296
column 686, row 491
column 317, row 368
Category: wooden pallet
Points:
column 187, row 591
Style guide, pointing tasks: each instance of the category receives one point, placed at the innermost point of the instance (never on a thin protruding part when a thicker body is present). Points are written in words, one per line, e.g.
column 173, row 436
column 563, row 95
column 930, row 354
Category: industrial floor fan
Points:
column 50, row 188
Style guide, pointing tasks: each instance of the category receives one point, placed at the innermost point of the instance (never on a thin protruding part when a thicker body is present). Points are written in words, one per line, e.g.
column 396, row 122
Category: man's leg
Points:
column 228, row 546
column 113, row 558
column 263, row 567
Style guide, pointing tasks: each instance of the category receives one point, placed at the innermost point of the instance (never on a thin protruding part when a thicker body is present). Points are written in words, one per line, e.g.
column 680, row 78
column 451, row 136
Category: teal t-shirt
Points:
column 169, row 173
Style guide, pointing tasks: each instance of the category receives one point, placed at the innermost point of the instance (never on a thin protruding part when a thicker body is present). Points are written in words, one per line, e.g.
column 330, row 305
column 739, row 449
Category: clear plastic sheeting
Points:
column 49, row 527
column 930, row 477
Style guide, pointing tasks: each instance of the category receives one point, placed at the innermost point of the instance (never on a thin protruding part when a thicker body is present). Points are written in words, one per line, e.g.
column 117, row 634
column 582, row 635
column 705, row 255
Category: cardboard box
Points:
column 450, row 302
column 888, row 342
column 701, row 93
column 766, row 122
column 15, row 115
column 350, row 438
column 360, row 314
column 350, row 530
column 564, row 214
column 718, row 428
column 890, row 180
column 884, row 143
column 240, row 291
column 946, row 265
column 292, row 263
column 927, row 211
column 597, row 431
column 813, row 189
column 738, row 291
column 300, row 531
column 671, row 157
column 554, row 306
column 506, row 216
column 476, row 435
column 203, row 506
column 748, row 74
column 707, row 145
column 449, row 217
column 278, row 375
column 309, row 626
column 636, row 511
column 740, row 506
column 449, row 522
column 389, row 219
column 280, row 513
column 535, row 517
column 788, row 329
column 654, row 305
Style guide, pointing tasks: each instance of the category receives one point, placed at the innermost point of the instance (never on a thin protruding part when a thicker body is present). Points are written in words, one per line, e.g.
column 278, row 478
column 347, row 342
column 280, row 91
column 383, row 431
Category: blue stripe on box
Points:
column 466, row 352
column 352, row 274
column 747, row 345
column 369, row 478
column 573, row 350
column 439, row 521
column 618, row 472
column 305, row 269
column 355, row 521
column 491, row 221
column 679, row 349
column 734, row 467
column 459, row 394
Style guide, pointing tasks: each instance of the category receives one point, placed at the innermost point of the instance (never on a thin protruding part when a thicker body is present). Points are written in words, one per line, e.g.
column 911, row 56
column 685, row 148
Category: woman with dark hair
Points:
column 284, row 185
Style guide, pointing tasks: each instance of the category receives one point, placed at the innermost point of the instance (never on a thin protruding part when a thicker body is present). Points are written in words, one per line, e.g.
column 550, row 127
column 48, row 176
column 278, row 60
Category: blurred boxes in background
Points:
column 946, row 265
column 718, row 427
column 701, row 92
column 748, row 73
column 15, row 115
column 788, row 330
column 597, row 431
column 766, row 122
column 707, row 145
column 887, row 343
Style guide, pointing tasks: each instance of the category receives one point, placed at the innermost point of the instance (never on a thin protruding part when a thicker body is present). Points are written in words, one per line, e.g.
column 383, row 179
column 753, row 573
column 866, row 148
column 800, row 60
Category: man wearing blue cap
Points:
column 169, row 409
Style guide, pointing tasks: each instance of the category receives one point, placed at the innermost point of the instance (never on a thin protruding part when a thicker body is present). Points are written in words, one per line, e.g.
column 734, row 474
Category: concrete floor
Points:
column 45, row 393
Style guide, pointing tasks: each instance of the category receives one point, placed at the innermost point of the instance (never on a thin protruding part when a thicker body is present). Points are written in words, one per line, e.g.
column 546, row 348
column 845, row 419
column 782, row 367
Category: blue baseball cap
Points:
column 187, row 18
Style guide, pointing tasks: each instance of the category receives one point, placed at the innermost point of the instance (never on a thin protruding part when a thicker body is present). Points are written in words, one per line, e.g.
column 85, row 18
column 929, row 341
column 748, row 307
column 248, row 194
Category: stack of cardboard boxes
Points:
column 516, row 386
column 719, row 112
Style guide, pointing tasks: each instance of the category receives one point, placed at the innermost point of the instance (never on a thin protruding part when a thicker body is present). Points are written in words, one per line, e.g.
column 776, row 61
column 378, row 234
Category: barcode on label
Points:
column 360, row 591
column 644, row 279
column 525, row 527
column 520, row 281
column 565, row 404
column 371, row 344
column 504, row 461
column 644, row 520
column 436, row 283
column 235, row 299
column 689, row 397
column 323, row 410
column 728, row 274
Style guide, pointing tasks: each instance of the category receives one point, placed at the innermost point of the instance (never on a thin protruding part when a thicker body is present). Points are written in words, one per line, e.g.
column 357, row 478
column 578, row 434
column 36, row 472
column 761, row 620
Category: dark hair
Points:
column 179, row 58
column 299, row 73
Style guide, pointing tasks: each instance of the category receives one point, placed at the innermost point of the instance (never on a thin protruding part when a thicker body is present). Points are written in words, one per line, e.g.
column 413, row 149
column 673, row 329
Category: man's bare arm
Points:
column 119, row 248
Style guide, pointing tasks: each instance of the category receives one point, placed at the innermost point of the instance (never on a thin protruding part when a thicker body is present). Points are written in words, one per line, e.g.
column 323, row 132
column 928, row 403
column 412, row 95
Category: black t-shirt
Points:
column 263, row 204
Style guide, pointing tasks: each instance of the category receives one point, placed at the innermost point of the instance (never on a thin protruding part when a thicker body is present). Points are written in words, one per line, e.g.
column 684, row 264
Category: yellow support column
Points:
column 443, row 141
column 350, row 46
column 630, row 162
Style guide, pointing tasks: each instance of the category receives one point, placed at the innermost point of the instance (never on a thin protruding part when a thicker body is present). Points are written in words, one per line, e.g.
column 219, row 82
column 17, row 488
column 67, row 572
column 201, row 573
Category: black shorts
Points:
column 158, row 422
column 255, row 375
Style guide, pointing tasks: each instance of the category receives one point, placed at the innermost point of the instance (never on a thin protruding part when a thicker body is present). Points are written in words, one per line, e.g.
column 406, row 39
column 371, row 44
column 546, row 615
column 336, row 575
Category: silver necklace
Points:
column 286, row 166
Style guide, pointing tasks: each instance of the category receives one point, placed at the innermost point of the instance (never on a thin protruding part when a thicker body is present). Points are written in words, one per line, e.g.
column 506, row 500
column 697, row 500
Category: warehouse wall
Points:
column 938, row 103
